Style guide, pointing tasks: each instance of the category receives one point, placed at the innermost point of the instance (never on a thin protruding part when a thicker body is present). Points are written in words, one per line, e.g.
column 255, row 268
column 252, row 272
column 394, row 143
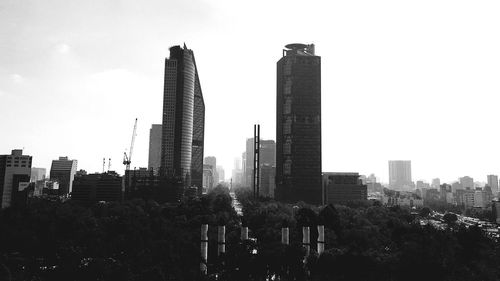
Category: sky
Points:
column 401, row 80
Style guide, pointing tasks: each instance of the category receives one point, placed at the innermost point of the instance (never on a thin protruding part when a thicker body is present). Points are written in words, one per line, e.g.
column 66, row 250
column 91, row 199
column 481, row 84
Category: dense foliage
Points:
column 138, row 240
column 371, row 242
column 135, row 240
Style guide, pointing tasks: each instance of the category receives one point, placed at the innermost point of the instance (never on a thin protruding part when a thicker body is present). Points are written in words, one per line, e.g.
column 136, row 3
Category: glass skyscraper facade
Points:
column 183, row 120
column 298, row 125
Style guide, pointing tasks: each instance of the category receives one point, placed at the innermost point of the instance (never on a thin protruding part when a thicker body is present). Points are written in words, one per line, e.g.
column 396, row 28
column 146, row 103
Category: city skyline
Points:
column 394, row 86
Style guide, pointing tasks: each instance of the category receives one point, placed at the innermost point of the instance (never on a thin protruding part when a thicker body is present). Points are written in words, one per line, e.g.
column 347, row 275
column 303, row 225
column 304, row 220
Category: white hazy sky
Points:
column 413, row 80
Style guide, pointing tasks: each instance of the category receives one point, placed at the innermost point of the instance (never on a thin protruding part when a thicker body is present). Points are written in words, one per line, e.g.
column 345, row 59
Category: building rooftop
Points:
column 299, row 49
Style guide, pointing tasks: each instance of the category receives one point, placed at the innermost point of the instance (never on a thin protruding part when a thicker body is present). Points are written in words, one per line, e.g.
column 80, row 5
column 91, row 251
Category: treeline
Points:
column 144, row 240
column 134, row 240
column 368, row 242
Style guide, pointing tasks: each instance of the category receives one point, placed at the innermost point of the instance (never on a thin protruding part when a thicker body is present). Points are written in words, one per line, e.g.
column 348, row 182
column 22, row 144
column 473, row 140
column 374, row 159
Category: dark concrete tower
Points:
column 183, row 119
column 298, row 125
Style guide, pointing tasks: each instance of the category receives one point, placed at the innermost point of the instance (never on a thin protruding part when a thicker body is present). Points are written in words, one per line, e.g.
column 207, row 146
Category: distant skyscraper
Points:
column 183, row 120
column 400, row 174
column 436, row 183
column 298, row 125
column 467, row 182
column 221, row 173
column 154, row 159
column 212, row 161
column 38, row 174
column 267, row 157
column 63, row 171
column 15, row 171
column 493, row 183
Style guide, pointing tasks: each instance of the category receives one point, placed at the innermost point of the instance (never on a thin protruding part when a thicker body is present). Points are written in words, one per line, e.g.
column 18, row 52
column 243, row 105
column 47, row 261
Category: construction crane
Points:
column 127, row 159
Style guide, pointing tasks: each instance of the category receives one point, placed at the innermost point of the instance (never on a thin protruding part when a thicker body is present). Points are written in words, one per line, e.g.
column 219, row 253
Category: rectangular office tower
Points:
column 400, row 174
column 15, row 173
column 63, row 171
column 298, row 125
column 154, row 147
column 183, row 123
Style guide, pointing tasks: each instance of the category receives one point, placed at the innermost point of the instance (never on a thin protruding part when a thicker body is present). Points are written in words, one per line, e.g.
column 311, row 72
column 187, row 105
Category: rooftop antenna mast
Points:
column 109, row 164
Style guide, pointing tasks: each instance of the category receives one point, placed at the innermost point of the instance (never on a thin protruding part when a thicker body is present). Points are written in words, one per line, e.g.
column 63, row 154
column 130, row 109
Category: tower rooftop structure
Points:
column 299, row 49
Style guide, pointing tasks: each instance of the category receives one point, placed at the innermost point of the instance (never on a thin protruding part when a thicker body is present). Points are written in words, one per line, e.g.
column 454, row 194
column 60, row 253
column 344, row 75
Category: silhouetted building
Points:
column 93, row 188
column 298, row 125
column 267, row 180
column 63, row 171
column 343, row 187
column 496, row 211
column 15, row 173
column 38, row 174
column 400, row 174
column 154, row 158
column 183, row 122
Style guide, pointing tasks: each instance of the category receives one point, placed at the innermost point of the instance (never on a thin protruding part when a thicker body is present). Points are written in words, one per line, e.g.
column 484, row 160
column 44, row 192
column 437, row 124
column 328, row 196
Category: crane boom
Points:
column 133, row 141
column 127, row 159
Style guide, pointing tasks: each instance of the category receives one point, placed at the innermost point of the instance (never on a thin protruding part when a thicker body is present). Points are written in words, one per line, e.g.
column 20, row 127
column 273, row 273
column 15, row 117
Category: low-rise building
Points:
column 343, row 187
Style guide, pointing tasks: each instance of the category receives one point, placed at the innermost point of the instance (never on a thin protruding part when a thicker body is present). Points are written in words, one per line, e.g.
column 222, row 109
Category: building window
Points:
column 287, row 167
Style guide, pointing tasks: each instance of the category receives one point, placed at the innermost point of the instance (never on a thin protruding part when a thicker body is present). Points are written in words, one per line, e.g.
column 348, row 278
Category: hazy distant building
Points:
column 93, row 188
column 237, row 173
column 480, row 198
column 467, row 182
column 63, row 171
column 183, row 122
column 154, row 159
column 400, row 174
column 221, row 175
column 208, row 177
column 15, row 173
column 493, row 183
column 436, row 183
column 456, row 186
column 212, row 161
column 343, row 187
column 298, row 125
column 38, row 174
column 372, row 184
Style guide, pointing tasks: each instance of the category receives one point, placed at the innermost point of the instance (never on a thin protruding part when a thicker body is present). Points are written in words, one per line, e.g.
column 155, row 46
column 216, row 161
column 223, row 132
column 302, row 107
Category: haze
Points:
column 413, row 80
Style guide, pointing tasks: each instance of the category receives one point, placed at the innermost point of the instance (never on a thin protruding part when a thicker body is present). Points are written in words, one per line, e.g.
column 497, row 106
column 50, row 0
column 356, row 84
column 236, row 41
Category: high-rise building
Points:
column 400, row 174
column 154, row 158
column 212, row 161
column 208, row 177
column 298, row 125
column 493, row 183
column 15, row 173
column 267, row 157
column 436, row 183
column 183, row 122
column 38, row 174
column 221, row 174
column 63, row 171
column 467, row 182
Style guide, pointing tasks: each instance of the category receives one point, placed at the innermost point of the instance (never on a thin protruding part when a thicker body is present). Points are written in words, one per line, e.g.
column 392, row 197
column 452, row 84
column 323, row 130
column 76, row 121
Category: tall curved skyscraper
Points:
column 298, row 125
column 183, row 120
